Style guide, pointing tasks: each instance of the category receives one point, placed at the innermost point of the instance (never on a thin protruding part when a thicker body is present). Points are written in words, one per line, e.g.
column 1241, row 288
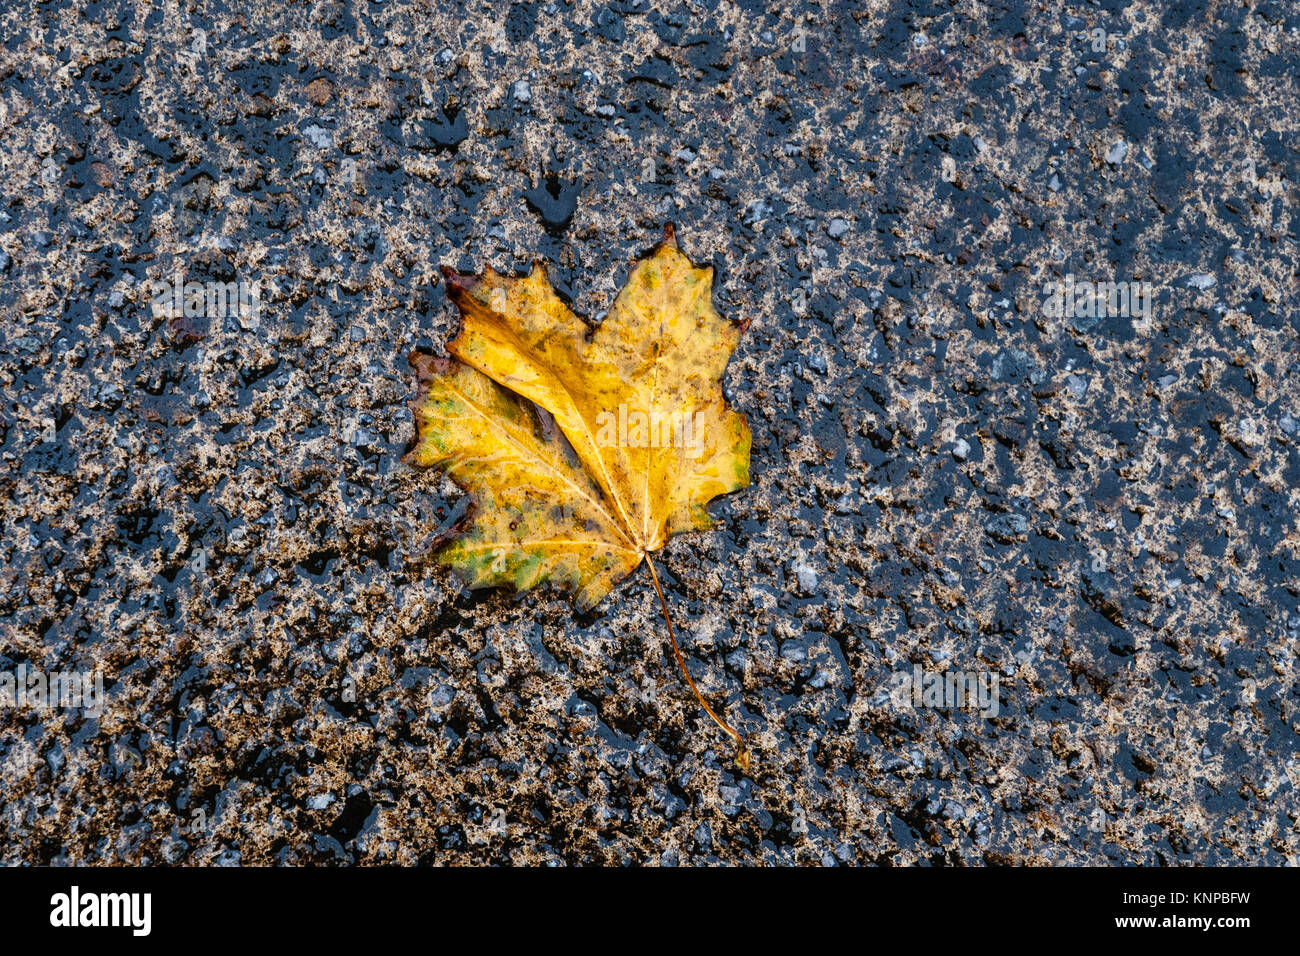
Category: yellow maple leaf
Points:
column 584, row 449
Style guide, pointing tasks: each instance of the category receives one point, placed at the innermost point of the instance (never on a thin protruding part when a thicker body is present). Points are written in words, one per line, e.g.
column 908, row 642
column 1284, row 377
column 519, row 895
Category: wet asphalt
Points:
column 1090, row 517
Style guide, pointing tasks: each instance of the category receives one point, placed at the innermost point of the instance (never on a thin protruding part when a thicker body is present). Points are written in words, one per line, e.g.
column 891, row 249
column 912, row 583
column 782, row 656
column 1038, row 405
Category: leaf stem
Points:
column 742, row 754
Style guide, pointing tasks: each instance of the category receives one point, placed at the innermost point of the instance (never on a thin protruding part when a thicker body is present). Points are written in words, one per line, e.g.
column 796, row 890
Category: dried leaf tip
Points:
column 458, row 281
column 742, row 758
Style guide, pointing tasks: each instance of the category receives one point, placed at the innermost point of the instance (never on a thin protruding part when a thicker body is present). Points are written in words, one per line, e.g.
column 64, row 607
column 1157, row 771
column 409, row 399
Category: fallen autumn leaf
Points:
column 584, row 449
